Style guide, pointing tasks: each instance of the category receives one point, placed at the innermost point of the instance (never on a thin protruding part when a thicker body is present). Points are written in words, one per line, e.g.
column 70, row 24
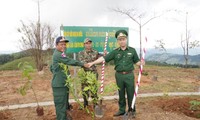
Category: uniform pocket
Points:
column 129, row 55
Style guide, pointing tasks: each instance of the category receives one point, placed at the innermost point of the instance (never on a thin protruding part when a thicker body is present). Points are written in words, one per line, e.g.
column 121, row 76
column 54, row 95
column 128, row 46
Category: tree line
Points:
column 4, row 58
column 175, row 65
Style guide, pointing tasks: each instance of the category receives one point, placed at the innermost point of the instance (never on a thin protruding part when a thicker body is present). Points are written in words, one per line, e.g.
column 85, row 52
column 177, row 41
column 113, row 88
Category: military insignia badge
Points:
column 129, row 53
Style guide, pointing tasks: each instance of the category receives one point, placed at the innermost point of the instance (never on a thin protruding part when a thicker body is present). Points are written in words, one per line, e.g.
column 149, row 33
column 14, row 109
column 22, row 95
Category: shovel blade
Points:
column 128, row 116
column 98, row 111
column 125, row 116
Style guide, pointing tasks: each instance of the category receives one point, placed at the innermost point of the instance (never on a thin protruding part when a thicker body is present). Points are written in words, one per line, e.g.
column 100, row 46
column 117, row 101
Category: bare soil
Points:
column 157, row 108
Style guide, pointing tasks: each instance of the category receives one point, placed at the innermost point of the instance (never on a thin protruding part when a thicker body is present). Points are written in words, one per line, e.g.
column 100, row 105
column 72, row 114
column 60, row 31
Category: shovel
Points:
column 128, row 116
column 99, row 112
column 99, row 108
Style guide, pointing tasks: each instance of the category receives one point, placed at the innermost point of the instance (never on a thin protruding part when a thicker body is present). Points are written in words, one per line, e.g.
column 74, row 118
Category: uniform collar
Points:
column 127, row 48
column 88, row 51
column 60, row 51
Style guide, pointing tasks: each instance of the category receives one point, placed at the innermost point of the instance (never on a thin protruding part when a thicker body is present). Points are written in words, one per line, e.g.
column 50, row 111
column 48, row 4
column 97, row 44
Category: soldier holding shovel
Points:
column 124, row 59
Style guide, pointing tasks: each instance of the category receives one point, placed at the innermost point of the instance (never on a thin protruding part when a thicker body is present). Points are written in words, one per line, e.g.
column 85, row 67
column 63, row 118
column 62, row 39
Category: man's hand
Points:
column 86, row 65
column 105, row 52
column 90, row 64
column 142, row 62
column 99, row 60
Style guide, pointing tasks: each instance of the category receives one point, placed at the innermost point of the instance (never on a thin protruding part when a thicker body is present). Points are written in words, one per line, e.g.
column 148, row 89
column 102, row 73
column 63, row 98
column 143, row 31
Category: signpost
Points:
column 77, row 34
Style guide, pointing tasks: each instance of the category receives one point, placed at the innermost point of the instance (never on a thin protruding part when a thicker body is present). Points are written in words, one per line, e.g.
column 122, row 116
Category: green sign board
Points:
column 77, row 34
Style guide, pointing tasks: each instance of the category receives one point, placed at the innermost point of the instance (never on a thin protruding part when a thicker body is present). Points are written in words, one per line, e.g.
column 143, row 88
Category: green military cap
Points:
column 121, row 33
column 87, row 40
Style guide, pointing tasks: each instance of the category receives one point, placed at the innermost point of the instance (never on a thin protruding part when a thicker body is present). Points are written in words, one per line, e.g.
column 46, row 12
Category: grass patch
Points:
column 13, row 64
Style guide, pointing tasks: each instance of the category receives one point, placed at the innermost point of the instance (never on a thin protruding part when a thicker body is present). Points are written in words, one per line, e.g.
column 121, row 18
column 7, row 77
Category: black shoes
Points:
column 119, row 113
column 70, row 107
column 130, row 114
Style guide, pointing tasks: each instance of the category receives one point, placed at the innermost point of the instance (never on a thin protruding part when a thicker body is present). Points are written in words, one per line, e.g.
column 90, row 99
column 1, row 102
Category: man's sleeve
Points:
column 51, row 68
column 81, row 57
column 110, row 56
column 135, row 57
column 70, row 61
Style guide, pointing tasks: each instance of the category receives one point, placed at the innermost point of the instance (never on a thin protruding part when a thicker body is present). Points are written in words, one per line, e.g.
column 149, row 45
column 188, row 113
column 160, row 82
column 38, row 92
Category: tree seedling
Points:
column 27, row 69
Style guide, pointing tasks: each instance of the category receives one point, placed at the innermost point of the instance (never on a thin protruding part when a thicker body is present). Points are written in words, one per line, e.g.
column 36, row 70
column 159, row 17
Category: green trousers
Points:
column 126, row 83
column 61, row 97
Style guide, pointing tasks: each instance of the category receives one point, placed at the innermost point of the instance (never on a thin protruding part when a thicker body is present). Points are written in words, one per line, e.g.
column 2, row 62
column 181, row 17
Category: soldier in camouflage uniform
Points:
column 86, row 56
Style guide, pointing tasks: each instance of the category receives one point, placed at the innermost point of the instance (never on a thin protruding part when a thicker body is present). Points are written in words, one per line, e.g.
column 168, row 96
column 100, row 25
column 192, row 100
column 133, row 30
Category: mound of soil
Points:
column 4, row 115
column 157, row 108
column 180, row 105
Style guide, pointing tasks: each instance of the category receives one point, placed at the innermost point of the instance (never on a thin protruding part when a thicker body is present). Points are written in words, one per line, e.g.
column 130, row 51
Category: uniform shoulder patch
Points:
column 117, row 48
column 131, row 47
column 63, row 54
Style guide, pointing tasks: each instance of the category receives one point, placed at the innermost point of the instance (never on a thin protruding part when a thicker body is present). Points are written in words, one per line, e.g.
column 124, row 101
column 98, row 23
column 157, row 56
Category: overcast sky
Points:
column 168, row 27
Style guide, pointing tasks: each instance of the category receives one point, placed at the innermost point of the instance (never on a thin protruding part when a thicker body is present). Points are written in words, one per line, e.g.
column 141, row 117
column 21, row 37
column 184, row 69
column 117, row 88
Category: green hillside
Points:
column 13, row 64
column 5, row 58
column 174, row 58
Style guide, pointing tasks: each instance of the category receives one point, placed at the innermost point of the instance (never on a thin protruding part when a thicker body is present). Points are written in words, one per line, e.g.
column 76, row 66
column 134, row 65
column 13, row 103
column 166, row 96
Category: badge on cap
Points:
column 121, row 35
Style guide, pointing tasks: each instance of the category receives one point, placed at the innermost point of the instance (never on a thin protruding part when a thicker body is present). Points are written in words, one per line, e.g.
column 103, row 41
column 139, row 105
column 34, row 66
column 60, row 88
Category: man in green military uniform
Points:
column 124, row 59
column 86, row 56
column 60, row 91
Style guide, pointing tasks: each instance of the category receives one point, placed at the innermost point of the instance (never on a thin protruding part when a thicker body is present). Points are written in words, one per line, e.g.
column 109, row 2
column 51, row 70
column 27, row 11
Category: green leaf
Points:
column 22, row 91
column 19, row 64
column 87, row 110
column 88, row 78
column 86, row 89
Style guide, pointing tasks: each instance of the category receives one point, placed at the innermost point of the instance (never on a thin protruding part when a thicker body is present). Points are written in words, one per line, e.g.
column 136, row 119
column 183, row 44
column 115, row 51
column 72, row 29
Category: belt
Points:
column 127, row 72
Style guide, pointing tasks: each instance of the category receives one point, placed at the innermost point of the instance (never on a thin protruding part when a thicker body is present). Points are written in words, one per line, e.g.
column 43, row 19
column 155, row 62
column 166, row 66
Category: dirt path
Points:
column 48, row 103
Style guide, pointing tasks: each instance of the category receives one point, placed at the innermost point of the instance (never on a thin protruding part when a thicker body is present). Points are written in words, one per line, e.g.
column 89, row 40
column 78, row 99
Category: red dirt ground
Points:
column 165, row 108
column 160, row 108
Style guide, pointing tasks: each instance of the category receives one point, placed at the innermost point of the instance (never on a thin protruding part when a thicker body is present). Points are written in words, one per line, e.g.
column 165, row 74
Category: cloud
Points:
column 97, row 13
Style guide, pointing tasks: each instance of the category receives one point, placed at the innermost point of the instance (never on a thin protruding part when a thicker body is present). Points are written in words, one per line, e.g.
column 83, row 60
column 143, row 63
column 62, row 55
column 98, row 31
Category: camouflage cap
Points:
column 87, row 40
column 121, row 33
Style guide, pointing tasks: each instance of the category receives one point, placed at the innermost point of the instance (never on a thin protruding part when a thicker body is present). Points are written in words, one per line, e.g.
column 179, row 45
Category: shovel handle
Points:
column 101, row 101
column 139, row 77
column 103, row 65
